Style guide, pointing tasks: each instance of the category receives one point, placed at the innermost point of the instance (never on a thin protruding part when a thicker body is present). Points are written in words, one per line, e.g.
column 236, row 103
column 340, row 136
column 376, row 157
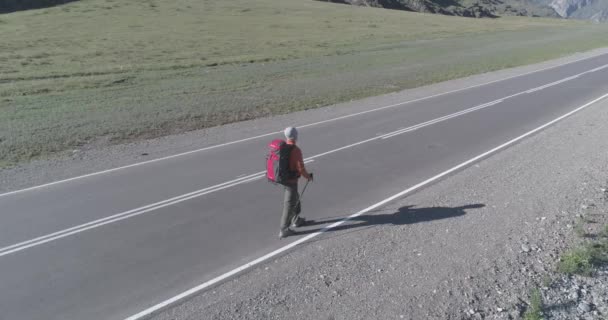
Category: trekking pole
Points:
column 301, row 195
column 304, row 189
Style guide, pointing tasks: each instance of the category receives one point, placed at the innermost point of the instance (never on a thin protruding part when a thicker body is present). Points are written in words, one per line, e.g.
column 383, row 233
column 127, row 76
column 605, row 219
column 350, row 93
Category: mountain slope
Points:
column 464, row 8
column 446, row 7
column 595, row 10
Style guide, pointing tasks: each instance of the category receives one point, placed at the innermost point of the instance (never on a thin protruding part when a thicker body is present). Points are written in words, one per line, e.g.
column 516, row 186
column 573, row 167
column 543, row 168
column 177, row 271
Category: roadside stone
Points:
column 597, row 299
column 525, row 248
column 584, row 307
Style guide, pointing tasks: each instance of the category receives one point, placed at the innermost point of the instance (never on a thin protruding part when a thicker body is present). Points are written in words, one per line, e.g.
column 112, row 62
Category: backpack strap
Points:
column 292, row 174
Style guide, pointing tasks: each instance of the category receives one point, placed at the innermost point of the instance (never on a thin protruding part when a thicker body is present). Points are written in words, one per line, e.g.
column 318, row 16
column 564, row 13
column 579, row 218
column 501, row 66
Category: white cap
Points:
column 291, row 133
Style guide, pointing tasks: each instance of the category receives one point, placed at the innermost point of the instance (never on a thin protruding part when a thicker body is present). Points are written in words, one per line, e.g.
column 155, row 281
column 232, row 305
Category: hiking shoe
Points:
column 298, row 222
column 286, row 233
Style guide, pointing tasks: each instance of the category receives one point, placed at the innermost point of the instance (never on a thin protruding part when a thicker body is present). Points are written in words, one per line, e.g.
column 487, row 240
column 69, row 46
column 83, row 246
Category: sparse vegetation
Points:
column 576, row 261
column 599, row 252
column 535, row 307
column 88, row 72
column 582, row 260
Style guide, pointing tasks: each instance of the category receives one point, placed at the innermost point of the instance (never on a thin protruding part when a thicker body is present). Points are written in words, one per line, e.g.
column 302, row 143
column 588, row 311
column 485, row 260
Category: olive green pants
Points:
column 289, row 205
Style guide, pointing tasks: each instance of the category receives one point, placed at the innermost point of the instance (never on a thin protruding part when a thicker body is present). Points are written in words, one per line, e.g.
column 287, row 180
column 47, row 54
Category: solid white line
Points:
column 301, row 126
column 444, row 118
column 155, row 205
column 556, row 82
column 115, row 218
column 600, row 68
column 228, row 184
column 479, row 107
column 272, row 254
column 343, row 148
column 139, row 211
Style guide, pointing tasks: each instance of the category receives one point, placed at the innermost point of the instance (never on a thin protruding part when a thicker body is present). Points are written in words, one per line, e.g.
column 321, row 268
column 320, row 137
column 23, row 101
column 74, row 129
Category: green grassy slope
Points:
column 107, row 71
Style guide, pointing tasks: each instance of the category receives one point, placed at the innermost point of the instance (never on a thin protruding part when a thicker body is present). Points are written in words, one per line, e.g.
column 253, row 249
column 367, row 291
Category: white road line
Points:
column 343, row 148
column 556, row 82
column 115, row 218
column 272, row 254
column 300, row 126
column 232, row 183
column 600, row 68
column 434, row 121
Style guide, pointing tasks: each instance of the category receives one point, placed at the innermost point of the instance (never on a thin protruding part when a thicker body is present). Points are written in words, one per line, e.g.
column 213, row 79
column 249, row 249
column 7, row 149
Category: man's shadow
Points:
column 405, row 215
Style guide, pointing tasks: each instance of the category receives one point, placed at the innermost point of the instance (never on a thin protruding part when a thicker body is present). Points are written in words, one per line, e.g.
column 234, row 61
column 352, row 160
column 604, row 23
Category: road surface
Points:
column 111, row 245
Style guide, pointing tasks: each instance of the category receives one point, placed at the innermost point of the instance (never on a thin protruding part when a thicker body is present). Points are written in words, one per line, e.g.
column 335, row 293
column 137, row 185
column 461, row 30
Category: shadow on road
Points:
column 405, row 215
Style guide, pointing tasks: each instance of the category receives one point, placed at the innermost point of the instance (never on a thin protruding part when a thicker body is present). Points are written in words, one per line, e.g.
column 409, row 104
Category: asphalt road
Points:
column 110, row 246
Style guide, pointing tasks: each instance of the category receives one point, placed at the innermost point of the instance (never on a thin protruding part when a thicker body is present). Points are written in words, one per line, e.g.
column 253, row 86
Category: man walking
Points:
column 291, row 202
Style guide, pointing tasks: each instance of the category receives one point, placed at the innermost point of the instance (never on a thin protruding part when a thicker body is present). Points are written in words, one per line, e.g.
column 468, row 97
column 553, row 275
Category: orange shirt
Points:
column 296, row 162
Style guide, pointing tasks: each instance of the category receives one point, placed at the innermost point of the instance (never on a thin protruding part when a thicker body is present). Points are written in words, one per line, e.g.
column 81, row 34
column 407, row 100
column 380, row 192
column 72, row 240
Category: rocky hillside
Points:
column 465, row 8
column 595, row 10
column 18, row 5
column 447, row 7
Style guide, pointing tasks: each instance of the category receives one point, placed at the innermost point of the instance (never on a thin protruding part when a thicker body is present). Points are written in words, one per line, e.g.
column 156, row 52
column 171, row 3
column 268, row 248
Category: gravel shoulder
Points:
column 98, row 157
column 469, row 247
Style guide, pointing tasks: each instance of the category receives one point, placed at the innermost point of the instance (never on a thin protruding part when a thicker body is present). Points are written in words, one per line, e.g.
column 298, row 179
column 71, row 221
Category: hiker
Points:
column 291, row 205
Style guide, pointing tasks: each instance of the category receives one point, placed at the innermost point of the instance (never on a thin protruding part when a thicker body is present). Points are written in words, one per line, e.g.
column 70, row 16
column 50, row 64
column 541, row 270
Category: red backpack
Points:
column 277, row 162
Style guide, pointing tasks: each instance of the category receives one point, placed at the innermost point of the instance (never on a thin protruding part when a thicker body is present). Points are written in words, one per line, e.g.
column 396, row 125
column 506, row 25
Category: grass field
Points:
column 109, row 71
